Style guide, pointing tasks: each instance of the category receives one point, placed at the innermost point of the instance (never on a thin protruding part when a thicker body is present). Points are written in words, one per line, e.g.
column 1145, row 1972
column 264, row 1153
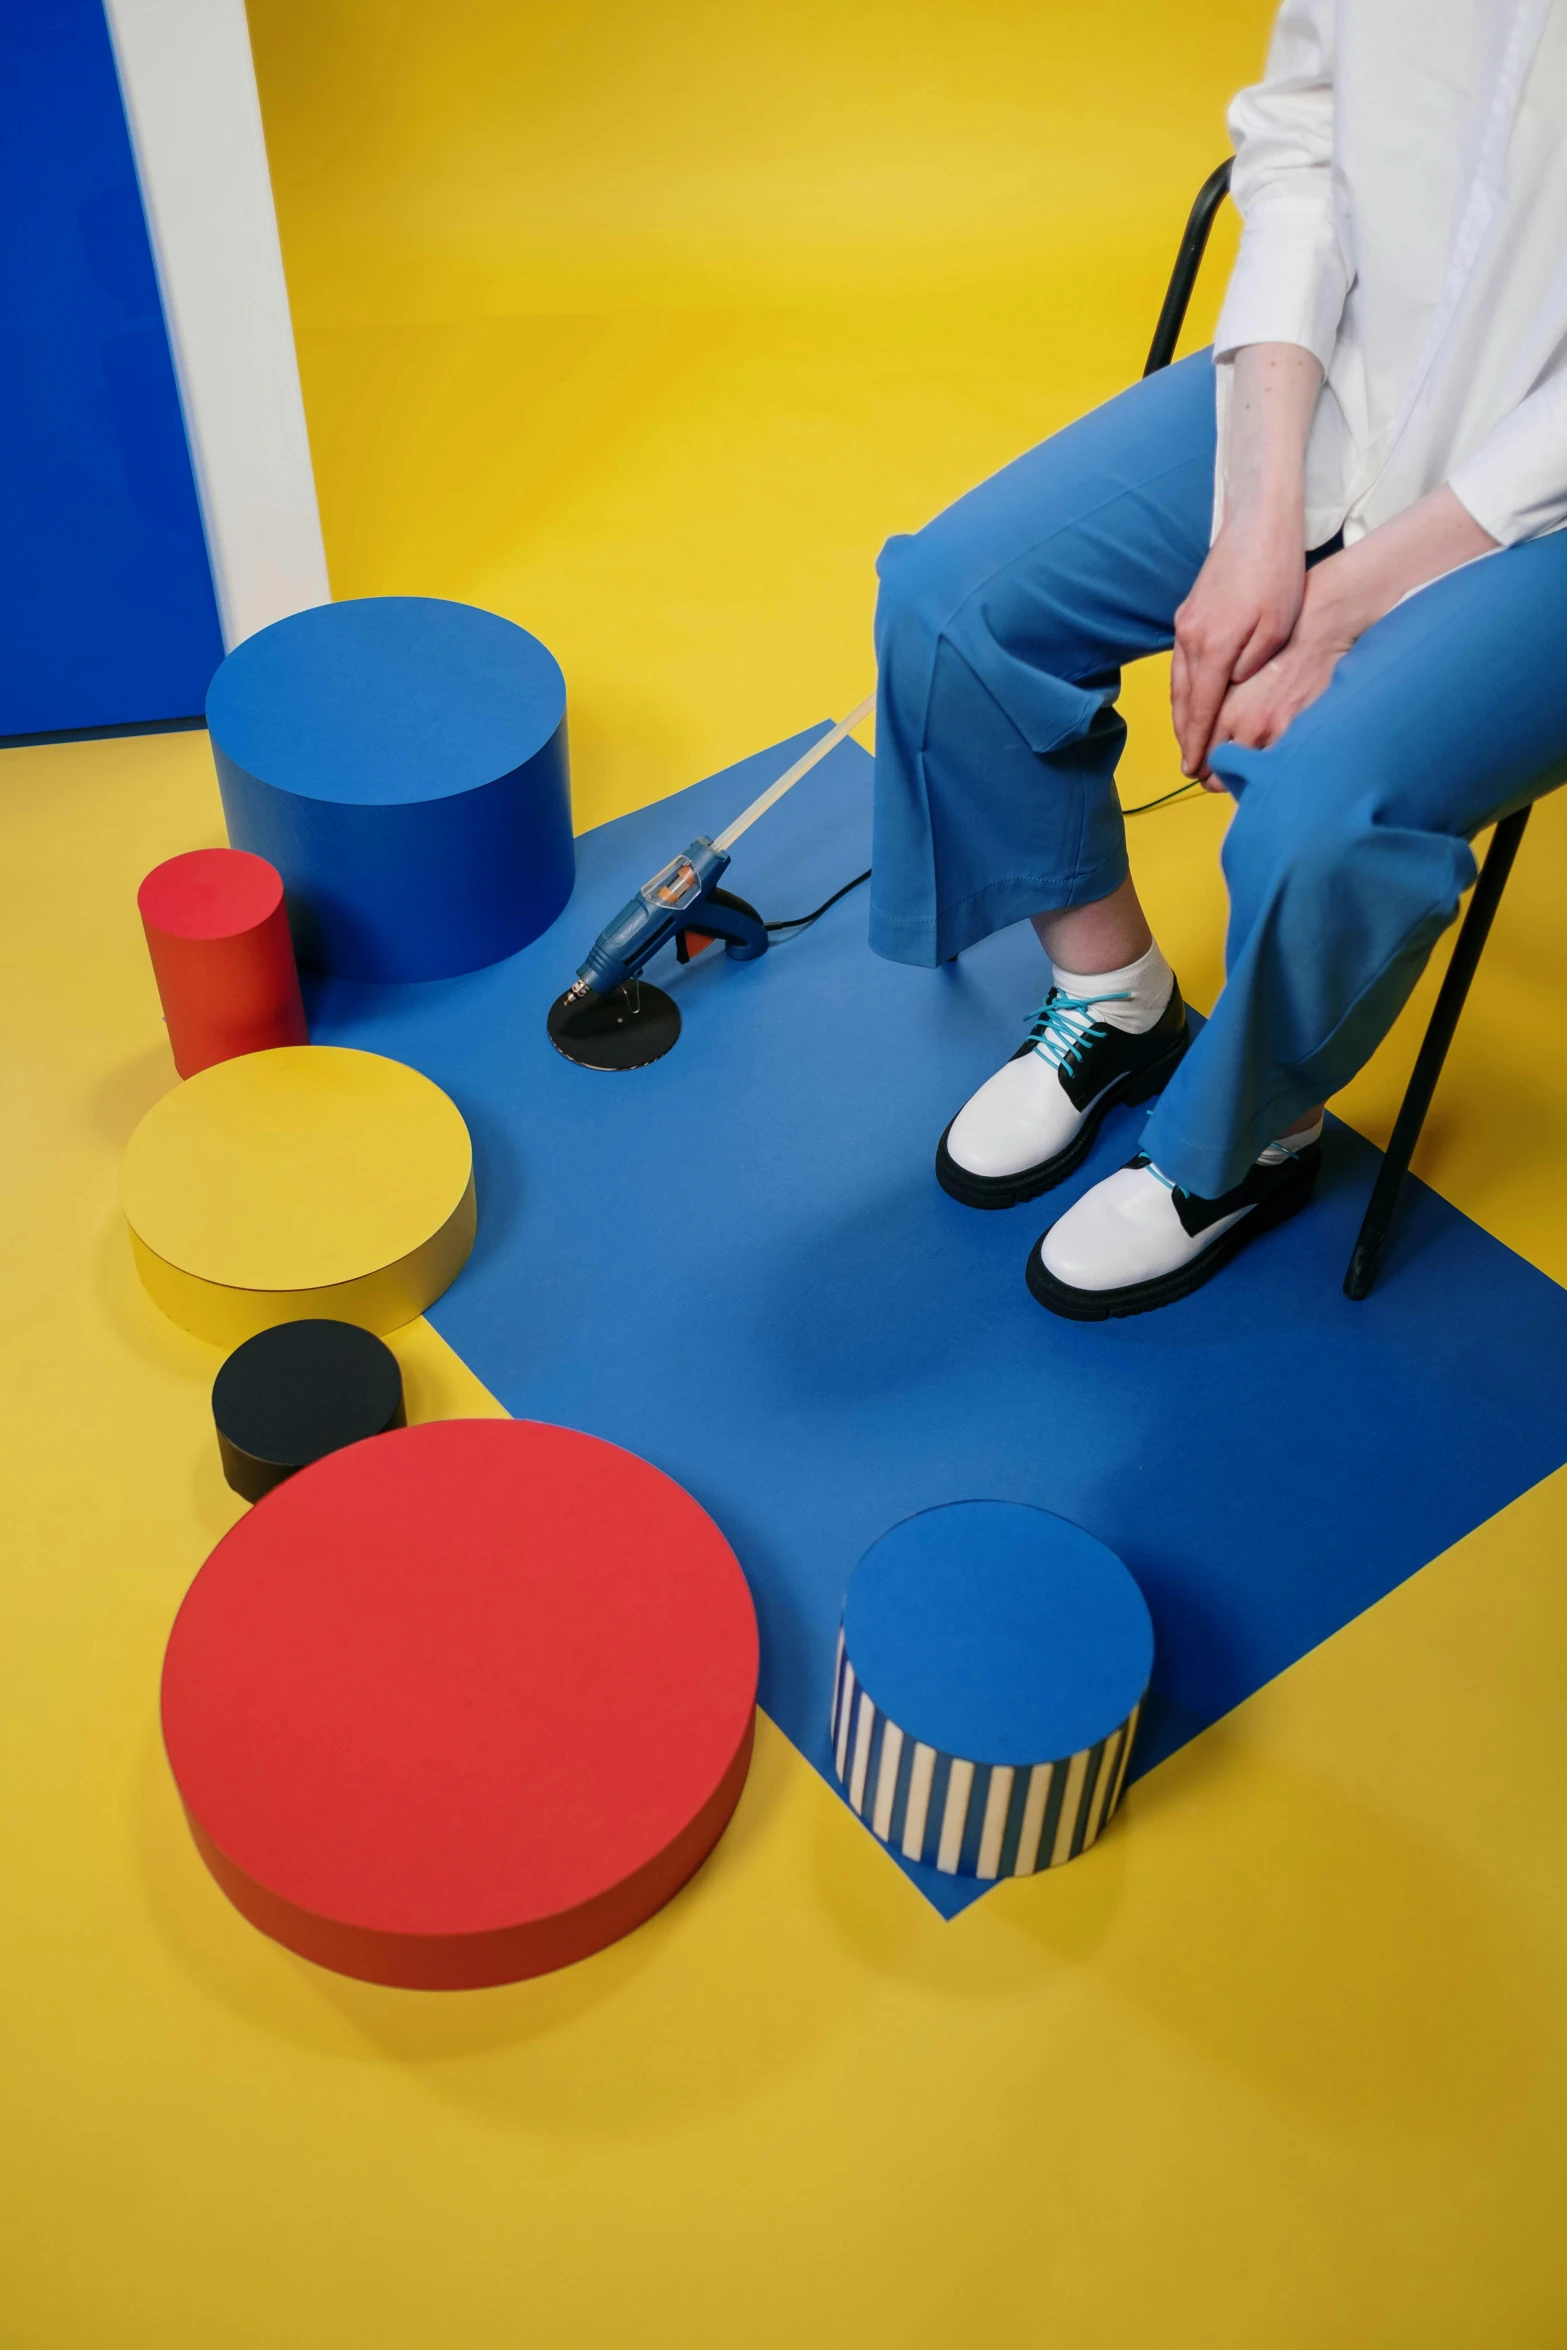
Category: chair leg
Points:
column 1433, row 1052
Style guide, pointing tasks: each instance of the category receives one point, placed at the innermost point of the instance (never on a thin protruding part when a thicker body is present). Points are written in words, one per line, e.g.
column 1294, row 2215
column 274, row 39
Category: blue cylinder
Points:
column 402, row 762
column 992, row 1663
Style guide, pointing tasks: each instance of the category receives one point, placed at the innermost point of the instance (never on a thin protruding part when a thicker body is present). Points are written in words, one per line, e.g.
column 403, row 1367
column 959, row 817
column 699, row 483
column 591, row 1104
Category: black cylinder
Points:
column 289, row 1396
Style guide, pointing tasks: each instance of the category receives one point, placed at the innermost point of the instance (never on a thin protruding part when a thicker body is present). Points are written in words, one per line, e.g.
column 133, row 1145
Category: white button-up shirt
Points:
column 1401, row 172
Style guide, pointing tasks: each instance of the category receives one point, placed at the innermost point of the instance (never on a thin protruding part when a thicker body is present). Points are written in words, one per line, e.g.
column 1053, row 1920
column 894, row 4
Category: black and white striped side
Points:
column 971, row 1819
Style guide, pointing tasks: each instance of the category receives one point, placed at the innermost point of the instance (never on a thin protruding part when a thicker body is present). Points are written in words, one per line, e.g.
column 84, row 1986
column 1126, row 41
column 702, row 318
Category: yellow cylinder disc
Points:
column 309, row 1180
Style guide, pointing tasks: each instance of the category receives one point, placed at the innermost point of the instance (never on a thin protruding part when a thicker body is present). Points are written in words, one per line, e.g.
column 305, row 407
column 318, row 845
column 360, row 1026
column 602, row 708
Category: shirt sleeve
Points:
column 1515, row 484
column 1290, row 278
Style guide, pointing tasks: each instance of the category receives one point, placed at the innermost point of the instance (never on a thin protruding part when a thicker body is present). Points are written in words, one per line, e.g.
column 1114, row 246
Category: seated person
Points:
column 1385, row 402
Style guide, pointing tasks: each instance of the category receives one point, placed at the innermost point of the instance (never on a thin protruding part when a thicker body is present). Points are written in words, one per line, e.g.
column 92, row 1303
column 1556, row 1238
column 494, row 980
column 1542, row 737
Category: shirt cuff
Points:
column 1515, row 484
column 1288, row 286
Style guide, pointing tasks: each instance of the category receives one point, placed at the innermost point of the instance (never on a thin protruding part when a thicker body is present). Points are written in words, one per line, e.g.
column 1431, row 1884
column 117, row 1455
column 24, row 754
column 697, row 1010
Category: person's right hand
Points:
column 1242, row 609
column 1247, row 596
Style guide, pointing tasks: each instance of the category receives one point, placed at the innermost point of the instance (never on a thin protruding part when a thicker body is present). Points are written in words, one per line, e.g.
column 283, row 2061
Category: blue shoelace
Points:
column 1063, row 1023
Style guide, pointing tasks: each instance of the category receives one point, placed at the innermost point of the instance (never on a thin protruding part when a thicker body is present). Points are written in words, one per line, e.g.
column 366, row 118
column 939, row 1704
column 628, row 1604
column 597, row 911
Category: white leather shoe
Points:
column 1035, row 1120
column 1137, row 1241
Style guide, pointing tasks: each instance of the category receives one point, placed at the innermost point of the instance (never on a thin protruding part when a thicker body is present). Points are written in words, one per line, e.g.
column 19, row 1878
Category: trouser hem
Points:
column 929, row 939
column 1206, row 1172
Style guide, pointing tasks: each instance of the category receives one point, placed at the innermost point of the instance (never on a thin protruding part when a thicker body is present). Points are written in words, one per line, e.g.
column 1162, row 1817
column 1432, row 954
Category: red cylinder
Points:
column 222, row 955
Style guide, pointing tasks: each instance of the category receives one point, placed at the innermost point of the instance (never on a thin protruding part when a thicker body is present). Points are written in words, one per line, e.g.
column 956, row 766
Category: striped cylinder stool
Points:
column 992, row 1662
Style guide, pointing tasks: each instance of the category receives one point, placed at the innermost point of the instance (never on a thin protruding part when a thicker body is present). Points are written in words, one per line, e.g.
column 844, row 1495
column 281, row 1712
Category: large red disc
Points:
column 463, row 1702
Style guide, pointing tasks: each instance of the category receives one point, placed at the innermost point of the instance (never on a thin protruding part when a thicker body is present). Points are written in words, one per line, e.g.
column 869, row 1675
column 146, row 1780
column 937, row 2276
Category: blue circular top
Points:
column 386, row 700
column 998, row 1632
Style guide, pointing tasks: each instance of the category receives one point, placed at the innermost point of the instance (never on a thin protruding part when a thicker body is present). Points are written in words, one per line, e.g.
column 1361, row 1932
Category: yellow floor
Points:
column 644, row 327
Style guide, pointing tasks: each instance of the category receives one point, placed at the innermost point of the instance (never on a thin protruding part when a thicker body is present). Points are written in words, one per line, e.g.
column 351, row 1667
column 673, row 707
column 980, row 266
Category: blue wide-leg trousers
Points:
column 1001, row 631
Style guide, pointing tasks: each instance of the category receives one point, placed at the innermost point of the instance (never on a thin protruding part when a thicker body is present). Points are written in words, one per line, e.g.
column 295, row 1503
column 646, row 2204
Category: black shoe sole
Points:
column 1141, row 1297
column 1010, row 1191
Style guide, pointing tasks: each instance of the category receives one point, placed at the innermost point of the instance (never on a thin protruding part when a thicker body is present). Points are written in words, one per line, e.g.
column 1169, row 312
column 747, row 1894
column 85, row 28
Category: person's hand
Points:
column 1344, row 596
column 1255, row 712
column 1247, row 595
column 1242, row 609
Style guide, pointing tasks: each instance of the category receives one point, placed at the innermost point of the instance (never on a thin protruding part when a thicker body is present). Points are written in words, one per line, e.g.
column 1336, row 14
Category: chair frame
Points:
column 1371, row 1243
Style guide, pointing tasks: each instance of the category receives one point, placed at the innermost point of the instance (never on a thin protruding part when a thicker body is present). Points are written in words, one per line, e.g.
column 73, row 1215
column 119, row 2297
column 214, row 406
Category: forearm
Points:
column 1247, row 597
column 1350, row 590
column 1273, row 395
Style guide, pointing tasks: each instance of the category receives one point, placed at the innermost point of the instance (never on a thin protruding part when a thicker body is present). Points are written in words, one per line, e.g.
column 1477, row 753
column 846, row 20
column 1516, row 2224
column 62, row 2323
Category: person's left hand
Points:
column 1256, row 714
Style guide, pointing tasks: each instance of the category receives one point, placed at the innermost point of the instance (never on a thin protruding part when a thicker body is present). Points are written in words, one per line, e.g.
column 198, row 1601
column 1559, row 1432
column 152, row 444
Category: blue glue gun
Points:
column 682, row 902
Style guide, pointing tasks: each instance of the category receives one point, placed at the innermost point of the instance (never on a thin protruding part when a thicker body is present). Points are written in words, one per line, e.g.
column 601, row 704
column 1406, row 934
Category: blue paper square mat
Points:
column 738, row 1264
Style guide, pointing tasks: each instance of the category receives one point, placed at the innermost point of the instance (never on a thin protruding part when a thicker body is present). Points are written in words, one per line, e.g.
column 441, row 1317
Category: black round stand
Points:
column 625, row 1029
column 289, row 1396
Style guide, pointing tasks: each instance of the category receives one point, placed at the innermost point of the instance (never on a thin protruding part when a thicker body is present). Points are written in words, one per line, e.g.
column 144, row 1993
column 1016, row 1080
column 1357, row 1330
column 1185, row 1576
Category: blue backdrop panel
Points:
column 402, row 762
column 738, row 1263
column 107, row 615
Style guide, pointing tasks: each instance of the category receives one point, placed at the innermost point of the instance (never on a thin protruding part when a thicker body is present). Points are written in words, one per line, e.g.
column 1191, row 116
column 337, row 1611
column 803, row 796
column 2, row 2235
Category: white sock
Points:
column 1277, row 1152
column 1140, row 991
column 1274, row 1156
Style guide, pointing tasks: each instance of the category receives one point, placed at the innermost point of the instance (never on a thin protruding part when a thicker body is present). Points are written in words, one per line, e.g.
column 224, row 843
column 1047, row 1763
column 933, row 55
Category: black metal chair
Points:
column 1372, row 1240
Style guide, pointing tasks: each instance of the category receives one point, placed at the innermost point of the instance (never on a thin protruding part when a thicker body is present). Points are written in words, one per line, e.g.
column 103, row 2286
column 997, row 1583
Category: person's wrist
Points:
column 1340, row 602
column 1266, row 520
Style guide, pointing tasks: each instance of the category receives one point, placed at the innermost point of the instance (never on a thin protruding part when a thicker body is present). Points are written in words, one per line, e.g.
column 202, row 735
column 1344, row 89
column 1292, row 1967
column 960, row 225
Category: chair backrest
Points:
column 1183, row 277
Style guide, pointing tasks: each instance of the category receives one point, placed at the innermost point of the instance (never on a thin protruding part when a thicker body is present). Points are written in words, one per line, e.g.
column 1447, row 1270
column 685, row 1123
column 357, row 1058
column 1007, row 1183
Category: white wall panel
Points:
column 190, row 97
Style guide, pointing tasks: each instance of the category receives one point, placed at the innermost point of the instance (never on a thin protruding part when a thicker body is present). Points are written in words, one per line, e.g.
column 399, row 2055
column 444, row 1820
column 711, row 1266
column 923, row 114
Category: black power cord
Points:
column 1164, row 798
column 798, row 922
